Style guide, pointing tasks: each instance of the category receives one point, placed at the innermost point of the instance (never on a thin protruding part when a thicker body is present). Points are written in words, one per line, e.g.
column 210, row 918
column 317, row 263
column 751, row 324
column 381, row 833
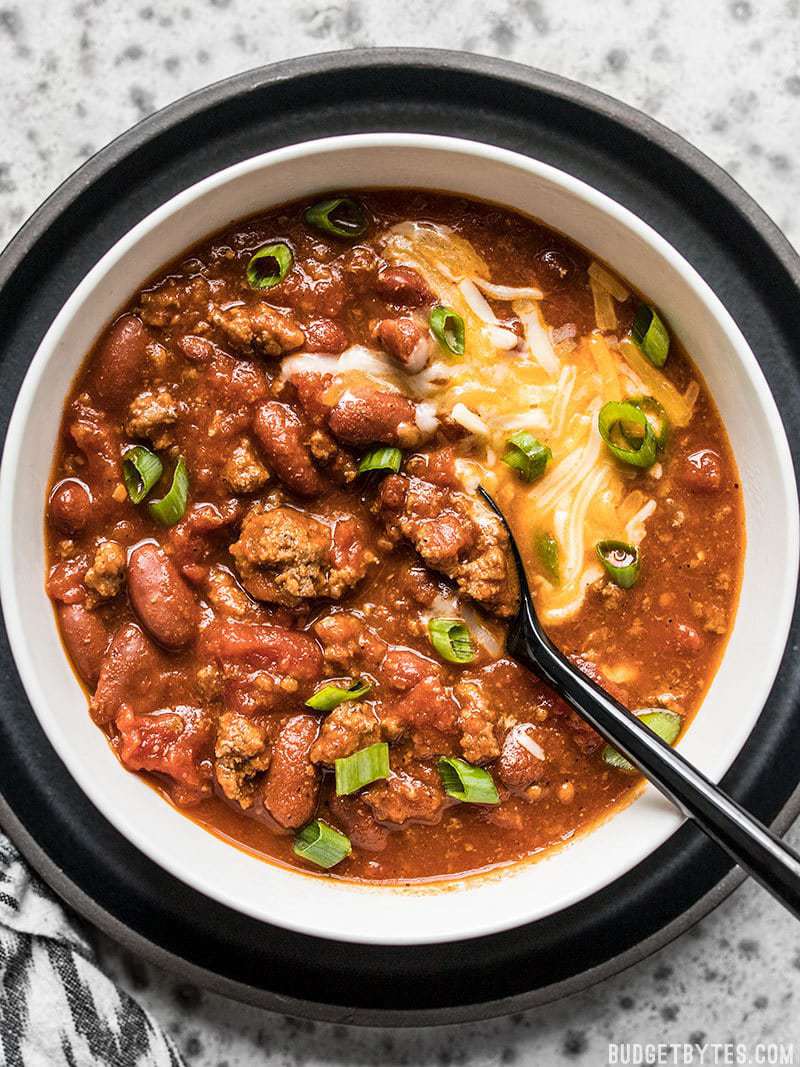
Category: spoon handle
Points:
column 751, row 844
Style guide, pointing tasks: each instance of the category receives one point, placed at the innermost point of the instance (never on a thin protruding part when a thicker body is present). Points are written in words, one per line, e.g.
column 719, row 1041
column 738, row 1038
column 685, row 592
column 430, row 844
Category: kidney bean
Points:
column 282, row 435
column 702, row 471
column 685, row 636
column 311, row 390
column 404, row 286
column 65, row 580
column 554, row 269
column 292, row 786
column 197, row 349
column 591, row 670
column 406, row 341
column 132, row 674
column 446, row 537
column 290, row 653
column 70, row 505
column 374, row 418
column 161, row 598
column 120, row 360
column 86, row 640
column 393, row 493
column 358, row 822
column 325, row 335
column 517, row 768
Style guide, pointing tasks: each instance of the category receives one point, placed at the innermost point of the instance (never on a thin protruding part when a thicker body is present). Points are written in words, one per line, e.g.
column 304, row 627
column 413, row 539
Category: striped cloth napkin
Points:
column 56, row 1006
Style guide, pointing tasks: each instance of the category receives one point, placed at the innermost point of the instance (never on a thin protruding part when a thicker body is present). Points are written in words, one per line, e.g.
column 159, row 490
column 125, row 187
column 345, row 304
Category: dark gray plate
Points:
column 665, row 181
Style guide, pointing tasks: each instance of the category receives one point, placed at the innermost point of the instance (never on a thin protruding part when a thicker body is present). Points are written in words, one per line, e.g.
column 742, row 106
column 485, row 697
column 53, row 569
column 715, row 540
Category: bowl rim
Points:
column 22, row 413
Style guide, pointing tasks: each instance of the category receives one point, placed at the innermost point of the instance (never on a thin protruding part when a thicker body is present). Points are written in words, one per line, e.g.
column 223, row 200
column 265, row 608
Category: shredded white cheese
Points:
column 469, row 420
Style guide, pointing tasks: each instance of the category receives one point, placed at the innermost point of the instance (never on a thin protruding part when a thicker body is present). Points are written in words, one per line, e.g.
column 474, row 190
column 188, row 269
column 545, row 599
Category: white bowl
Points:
column 467, row 907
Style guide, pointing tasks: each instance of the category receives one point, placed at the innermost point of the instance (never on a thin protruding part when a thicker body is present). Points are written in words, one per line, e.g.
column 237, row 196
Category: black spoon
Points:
column 752, row 845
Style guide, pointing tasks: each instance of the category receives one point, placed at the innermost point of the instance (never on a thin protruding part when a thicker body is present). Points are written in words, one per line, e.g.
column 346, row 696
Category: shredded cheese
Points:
column 551, row 383
column 508, row 292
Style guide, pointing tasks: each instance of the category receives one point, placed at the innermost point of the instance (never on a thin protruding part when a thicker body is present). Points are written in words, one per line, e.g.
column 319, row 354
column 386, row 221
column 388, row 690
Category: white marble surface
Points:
column 725, row 74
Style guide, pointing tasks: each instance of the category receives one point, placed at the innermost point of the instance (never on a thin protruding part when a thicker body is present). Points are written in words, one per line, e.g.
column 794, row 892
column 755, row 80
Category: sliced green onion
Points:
column 141, row 469
column 321, row 844
column 447, row 327
column 664, row 723
column 171, row 508
column 471, row 785
column 526, row 455
column 331, row 696
column 269, row 266
column 625, row 418
column 656, row 416
column 620, row 560
column 341, row 216
column 651, row 335
column 365, row 766
column 452, row 640
column 381, row 459
column 546, row 548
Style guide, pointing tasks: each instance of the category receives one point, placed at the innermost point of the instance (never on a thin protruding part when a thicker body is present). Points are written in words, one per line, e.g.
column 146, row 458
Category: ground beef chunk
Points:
column 243, row 471
column 347, row 729
column 518, row 768
column 403, row 798
column 348, row 642
column 107, row 573
column 338, row 462
column 150, row 415
column 454, row 535
column 258, row 329
column 242, row 752
column 286, row 556
column 477, row 721
column 209, row 682
column 176, row 301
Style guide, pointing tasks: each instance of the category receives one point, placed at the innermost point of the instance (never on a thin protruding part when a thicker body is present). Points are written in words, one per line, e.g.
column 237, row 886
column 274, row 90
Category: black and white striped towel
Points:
column 56, row 1006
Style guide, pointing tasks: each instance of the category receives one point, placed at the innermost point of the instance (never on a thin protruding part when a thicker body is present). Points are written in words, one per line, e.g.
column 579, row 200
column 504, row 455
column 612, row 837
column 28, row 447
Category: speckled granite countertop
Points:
column 724, row 74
